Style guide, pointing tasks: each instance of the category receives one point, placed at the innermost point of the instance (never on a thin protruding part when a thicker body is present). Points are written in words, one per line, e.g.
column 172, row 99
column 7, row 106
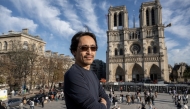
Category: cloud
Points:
column 170, row 43
column 88, row 12
column 46, row 14
column 135, row 2
column 9, row 22
column 71, row 14
column 183, row 53
column 104, row 5
column 177, row 13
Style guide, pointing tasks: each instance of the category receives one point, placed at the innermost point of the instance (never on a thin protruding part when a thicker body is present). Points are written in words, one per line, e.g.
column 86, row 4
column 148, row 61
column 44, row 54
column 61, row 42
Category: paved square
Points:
column 163, row 101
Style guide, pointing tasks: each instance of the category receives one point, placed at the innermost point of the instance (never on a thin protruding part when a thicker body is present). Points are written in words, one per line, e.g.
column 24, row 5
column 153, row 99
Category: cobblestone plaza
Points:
column 163, row 101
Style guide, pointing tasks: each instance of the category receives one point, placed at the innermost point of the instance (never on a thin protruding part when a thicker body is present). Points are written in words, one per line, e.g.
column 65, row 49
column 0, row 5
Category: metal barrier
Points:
column 161, row 88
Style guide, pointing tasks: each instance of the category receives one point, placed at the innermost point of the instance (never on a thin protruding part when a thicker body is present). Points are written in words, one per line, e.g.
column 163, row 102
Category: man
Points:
column 82, row 89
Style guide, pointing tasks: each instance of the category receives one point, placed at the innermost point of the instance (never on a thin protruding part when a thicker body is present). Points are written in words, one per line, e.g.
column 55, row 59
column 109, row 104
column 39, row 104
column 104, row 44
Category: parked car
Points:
column 13, row 102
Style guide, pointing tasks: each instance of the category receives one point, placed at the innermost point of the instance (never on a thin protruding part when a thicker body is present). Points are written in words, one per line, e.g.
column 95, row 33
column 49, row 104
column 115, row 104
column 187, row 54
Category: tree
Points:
column 20, row 61
column 186, row 73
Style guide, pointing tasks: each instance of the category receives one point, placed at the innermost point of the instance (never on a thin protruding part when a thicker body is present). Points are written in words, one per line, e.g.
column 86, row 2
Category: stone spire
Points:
column 157, row 2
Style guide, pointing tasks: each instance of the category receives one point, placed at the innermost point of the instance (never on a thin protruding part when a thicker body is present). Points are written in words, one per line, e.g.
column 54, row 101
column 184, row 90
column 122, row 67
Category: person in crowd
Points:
column 179, row 105
column 82, row 89
column 152, row 98
column 31, row 104
column 132, row 98
column 128, row 100
column 1, row 105
column 155, row 94
column 143, row 106
column 185, row 106
column 121, row 98
column 42, row 102
column 121, row 89
column 115, row 101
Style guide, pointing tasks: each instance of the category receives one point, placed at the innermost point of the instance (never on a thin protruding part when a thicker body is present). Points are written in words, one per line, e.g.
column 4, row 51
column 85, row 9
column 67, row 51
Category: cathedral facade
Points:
column 138, row 53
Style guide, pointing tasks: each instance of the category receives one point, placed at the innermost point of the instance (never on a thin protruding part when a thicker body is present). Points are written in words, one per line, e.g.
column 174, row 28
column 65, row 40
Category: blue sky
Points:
column 56, row 21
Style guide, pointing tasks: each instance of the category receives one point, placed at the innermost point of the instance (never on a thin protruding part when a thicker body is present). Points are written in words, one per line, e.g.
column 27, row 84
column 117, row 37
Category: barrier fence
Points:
column 133, row 87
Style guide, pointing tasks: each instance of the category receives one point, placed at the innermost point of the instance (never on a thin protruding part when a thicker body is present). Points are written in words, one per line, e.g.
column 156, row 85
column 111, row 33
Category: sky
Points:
column 56, row 21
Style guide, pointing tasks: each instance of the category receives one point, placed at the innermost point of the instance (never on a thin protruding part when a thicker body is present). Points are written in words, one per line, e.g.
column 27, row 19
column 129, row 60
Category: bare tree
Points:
column 22, row 59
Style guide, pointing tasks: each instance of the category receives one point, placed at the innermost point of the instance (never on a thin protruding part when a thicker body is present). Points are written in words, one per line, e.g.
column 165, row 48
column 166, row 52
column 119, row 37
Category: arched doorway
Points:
column 137, row 73
column 155, row 73
column 119, row 75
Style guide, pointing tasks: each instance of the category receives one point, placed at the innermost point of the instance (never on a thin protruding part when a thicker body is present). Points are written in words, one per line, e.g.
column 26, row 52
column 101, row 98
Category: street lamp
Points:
column 168, row 25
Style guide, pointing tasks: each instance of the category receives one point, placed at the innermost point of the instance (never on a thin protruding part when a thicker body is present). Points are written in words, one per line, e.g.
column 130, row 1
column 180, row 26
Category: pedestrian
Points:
column 1, row 105
column 179, row 105
column 143, row 106
column 132, row 98
column 185, row 106
column 150, row 105
column 82, row 88
column 186, row 96
column 42, row 101
column 115, row 101
column 128, row 100
column 31, row 104
column 24, row 100
column 121, row 98
column 155, row 94
column 121, row 89
column 12, row 93
column 152, row 98
column 21, row 106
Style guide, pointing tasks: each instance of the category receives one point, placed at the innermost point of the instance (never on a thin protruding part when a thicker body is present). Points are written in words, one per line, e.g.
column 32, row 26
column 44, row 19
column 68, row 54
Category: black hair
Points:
column 77, row 36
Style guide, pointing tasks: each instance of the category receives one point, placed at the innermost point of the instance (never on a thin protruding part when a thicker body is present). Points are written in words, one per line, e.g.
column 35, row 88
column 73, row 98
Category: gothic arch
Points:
column 153, row 16
column 133, row 35
column 121, row 51
column 155, row 72
column 149, row 49
column 119, row 74
column 116, row 53
column 155, row 49
column 115, row 19
column 120, row 19
column 147, row 17
column 137, row 72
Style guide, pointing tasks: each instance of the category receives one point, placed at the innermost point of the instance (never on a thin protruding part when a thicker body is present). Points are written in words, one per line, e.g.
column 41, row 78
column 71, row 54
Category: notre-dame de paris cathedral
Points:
column 138, row 53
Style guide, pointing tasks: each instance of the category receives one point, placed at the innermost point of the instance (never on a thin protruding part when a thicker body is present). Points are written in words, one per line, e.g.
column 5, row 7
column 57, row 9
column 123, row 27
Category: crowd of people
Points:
column 180, row 100
column 147, row 97
column 136, row 98
column 43, row 97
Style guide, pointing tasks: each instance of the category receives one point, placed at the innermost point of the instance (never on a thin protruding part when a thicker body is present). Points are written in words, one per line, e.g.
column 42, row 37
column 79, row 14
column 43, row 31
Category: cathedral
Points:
column 138, row 53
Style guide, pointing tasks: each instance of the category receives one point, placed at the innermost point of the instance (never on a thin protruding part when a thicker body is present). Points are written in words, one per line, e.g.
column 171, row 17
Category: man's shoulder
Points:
column 72, row 69
column 73, row 73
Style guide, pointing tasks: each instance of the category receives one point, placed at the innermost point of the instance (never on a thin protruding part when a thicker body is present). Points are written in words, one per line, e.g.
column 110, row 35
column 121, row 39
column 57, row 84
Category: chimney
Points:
column 25, row 30
column 10, row 31
column 61, row 55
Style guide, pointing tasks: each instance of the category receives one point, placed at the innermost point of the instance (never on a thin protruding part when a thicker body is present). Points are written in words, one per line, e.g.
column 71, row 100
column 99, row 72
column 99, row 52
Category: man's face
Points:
column 85, row 54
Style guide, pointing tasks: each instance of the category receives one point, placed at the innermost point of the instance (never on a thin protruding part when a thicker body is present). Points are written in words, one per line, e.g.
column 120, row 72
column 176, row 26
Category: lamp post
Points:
column 168, row 25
